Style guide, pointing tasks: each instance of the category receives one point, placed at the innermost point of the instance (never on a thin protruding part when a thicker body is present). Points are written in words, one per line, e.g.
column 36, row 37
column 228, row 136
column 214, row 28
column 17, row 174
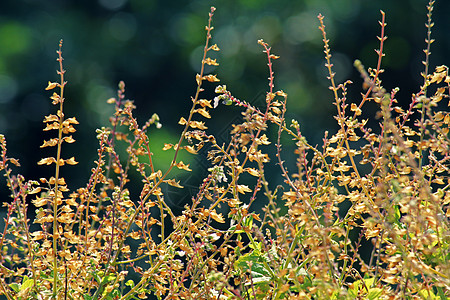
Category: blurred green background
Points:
column 156, row 48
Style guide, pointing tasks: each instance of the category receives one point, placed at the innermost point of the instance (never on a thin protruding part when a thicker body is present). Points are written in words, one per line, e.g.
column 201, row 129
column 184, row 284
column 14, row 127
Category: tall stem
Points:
column 58, row 158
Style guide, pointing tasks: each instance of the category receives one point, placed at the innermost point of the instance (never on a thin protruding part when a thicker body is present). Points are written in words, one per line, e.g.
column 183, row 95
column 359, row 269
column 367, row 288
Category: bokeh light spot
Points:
column 8, row 88
column 122, row 26
column 113, row 4
column 301, row 28
column 14, row 38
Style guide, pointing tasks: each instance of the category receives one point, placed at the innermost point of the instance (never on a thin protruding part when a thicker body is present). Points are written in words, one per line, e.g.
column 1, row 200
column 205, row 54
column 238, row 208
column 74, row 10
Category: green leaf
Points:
column 441, row 293
column 258, row 269
column 257, row 247
column 233, row 229
column 26, row 283
column 374, row 293
column 15, row 286
column 248, row 222
column 130, row 283
column 397, row 214
column 428, row 294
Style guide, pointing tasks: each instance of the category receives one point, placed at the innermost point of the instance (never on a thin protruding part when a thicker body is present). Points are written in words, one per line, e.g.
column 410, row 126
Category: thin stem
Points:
column 57, row 170
column 426, row 63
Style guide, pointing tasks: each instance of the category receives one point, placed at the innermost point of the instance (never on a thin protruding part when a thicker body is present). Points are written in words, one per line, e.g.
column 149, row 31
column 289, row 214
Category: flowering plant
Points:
column 387, row 185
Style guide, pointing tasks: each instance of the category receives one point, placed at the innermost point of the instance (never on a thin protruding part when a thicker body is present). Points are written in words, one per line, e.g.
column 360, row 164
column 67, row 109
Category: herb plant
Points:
column 388, row 184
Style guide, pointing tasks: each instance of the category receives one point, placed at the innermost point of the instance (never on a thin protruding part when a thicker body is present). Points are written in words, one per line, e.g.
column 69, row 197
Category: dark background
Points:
column 156, row 48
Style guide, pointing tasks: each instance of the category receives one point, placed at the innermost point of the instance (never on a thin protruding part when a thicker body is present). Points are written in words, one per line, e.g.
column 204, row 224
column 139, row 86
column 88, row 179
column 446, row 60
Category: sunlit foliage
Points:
column 384, row 185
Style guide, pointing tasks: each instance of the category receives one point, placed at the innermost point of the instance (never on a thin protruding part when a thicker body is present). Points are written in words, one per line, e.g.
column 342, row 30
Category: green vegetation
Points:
column 385, row 184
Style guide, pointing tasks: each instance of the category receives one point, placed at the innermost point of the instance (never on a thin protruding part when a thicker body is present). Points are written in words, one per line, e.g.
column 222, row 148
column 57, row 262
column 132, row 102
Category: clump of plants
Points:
column 101, row 241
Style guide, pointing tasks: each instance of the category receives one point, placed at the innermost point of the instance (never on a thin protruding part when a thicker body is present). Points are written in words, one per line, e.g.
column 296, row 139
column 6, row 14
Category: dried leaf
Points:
column 211, row 62
column 241, row 188
column 199, row 125
column 281, row 93
column 212, row 78
column 72, row 120
column 438, row 180
column 37, row 235
column 135, row 235
column 68, row 139
column 47, row 161
column 167, row 146
column 38, row 202
column 182, row 166
column 203, row 112
column 51, row 126
column 155, row 174
column 71, row 161
column 157, row 192
column 252, row 172
column 51, row 85
column 55, row 98
column 35, row 190
column 215, row 48
column 263, row 140
column 356, row 109
column 51, row 118
column 14, row 162
column 233, row 202
column 204, row 103
column 66, row 208
column 68, row 129
column 182, row 121
column 216, row 217
column 127, row 203
column 174, row 183
column 190, row 149
column 50, row 143
column 270, row 97
column 276, row 110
